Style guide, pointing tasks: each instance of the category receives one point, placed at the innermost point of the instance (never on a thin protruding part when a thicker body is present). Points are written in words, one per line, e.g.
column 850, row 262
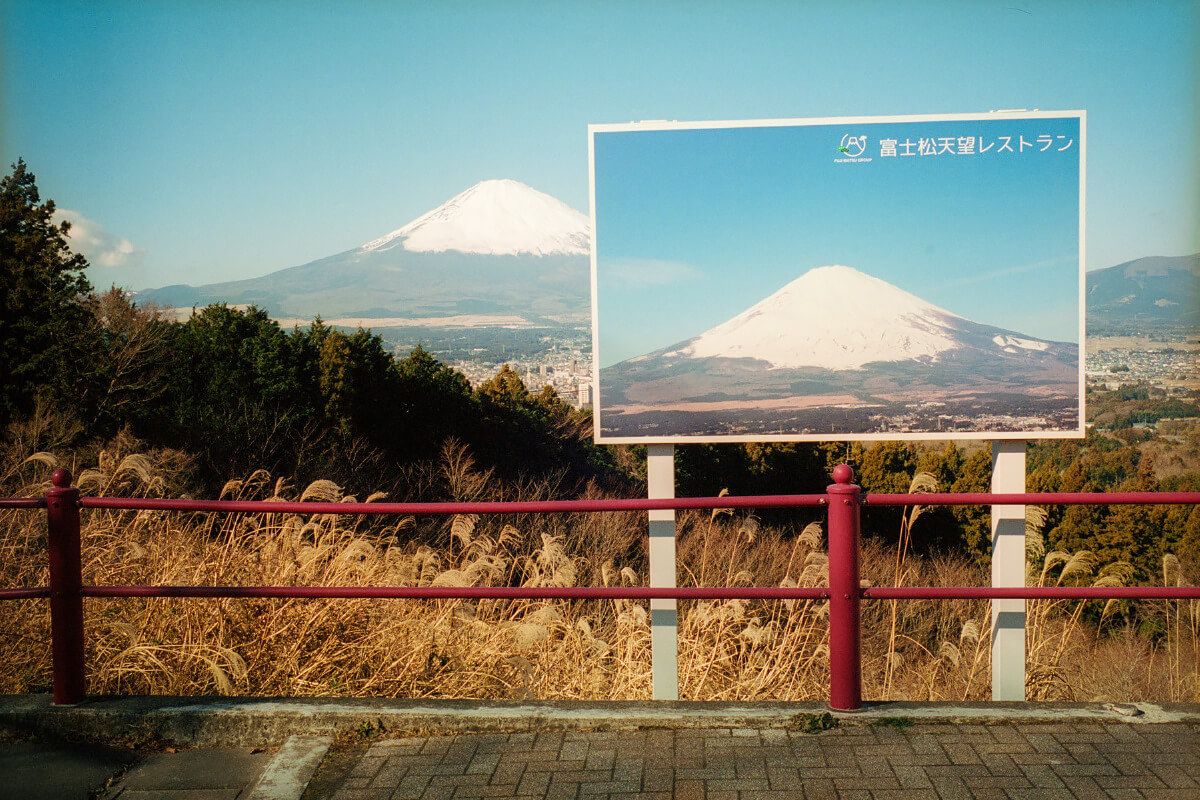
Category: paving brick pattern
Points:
column 939, row 762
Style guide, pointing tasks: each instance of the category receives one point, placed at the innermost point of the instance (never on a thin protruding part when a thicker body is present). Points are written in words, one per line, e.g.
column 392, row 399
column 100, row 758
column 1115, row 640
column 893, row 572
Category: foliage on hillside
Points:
column 1131, row 404
column 1138, row 534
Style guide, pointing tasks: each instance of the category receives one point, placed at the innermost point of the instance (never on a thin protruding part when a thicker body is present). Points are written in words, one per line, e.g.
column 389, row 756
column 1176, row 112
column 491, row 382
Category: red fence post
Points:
column 66, row 600
column 845, row 666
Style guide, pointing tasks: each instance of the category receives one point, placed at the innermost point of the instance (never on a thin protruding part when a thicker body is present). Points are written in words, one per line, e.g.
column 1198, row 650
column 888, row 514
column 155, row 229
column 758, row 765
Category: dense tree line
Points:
column 237, row 393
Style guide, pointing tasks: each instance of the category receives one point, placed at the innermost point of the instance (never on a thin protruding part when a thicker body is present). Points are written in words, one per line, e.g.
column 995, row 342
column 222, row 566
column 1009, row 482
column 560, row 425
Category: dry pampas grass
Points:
column 593, row 649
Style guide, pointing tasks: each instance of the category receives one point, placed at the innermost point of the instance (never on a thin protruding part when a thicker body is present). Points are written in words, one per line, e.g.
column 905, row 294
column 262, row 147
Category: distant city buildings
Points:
column 564, row 368
column 1166, row 366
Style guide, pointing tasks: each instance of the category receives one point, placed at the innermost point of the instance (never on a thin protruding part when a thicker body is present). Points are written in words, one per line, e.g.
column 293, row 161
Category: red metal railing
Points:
column 843, row 501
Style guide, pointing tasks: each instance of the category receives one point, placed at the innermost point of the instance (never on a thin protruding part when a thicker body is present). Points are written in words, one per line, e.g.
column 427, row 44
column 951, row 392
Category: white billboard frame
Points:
column 1074, row 432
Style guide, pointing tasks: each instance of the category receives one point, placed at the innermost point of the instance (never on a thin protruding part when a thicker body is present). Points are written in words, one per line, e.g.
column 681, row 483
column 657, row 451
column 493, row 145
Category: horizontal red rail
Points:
column 22, row 594
column 1031, row 592
column 511, row 507
column 441, row 592
column 1034, row 499
column 645, row 593
column 626, row 504
column 22, row 502
column 630, row 592
column 627, row 593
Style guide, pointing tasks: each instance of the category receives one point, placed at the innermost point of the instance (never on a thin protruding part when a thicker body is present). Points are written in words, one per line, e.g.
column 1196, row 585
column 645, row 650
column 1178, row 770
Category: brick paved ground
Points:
column 1076, row 760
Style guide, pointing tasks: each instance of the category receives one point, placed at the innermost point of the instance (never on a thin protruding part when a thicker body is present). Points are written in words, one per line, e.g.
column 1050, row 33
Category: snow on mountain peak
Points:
column 832, row 317
column 495, row 217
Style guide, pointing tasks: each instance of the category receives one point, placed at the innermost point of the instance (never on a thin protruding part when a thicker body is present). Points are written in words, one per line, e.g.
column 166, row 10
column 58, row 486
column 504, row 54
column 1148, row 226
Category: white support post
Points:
column 1008, row 569
column 664, row 619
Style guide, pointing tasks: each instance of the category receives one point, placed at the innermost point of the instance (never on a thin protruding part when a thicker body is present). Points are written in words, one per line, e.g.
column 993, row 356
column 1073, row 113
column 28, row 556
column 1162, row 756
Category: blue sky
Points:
column 205, row 141
column 696, row 225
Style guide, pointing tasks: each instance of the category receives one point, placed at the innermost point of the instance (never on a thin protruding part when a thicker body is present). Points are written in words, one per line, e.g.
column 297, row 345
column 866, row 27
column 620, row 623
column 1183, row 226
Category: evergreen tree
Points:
column 432, row 402
column 975, row 475
column 333, row 367
column 46, row 330
column 234, row 395
column 506, row 388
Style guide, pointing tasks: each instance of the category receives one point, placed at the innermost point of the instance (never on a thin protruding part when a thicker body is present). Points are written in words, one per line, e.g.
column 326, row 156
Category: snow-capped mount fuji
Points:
column 837, row 338
column 500, row 254
column 857, row 319
column 498, row 218
column 839, row 318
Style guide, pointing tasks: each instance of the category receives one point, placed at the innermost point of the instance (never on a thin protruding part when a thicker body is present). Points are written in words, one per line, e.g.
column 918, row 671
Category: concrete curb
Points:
column 267, row 722
column 288, row 774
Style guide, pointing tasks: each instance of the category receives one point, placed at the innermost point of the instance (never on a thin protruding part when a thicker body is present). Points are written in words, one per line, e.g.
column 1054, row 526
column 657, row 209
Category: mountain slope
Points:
column 1146, row 292
column 499, row 248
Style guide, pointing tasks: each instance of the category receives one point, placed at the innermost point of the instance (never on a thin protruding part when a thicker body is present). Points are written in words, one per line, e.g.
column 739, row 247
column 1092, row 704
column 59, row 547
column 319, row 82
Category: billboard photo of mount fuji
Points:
column 806, row 280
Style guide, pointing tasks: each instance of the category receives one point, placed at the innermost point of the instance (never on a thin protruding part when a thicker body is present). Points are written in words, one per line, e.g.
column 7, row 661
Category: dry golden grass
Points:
column 729, row 650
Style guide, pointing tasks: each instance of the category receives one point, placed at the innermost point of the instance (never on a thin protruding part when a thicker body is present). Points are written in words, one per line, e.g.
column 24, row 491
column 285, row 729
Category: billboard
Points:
column 898, row 277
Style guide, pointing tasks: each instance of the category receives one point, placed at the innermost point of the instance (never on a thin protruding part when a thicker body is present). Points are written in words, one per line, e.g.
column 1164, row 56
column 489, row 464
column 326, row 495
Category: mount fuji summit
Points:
column 494, row 218
column 839, row 351
column 498, row 254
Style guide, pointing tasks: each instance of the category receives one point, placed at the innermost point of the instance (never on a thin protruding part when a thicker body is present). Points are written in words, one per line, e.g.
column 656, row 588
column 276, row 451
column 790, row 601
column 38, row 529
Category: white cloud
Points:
column 99, row 246
column 647, row 271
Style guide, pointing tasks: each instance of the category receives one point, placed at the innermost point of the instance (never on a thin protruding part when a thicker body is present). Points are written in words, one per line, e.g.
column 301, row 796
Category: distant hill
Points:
column 1145, row 295
column 403, row 285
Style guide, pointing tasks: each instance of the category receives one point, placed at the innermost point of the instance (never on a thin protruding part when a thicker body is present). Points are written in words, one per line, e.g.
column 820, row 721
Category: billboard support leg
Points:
column 1008, row 569
column 664, row 615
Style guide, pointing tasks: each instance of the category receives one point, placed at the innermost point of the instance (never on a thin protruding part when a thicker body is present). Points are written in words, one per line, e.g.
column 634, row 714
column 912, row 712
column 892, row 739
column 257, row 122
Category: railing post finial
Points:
column 843, row 474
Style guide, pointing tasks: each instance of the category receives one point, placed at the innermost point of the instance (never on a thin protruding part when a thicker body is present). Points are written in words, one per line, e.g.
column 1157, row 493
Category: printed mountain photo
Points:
column 765, row 281
column 797, row 363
